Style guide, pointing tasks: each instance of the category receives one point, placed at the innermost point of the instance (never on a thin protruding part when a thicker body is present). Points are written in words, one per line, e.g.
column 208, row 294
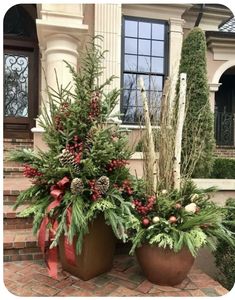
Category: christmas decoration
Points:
column 80, row 141
column 178, row 206
column 67, row 158
column 144, row 209
column 155, row 219
column 30, row 172
column 191, row 208
column 145, row 222
column 172, row 219
column 115, row 164
column 102, row 184
column 77, row 186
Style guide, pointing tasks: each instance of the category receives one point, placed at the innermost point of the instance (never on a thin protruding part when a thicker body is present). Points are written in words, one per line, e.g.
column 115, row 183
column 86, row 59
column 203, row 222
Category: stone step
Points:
column 12, row 187
column 11, row 220
column 20, row 244
column 12, row 171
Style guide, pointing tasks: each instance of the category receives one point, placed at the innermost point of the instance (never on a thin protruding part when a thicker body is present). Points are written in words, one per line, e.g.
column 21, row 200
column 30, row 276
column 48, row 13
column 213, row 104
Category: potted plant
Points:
column 81, row 183
column 173, row 218
column 172, row 226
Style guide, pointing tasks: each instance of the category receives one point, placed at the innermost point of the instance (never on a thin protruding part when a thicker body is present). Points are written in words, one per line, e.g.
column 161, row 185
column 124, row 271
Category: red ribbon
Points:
column 69, row 248
column 51, row 255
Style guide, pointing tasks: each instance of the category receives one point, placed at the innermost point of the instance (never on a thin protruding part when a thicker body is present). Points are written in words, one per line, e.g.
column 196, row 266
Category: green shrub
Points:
column 223, row 168
column 198, row 133
column 224, row 254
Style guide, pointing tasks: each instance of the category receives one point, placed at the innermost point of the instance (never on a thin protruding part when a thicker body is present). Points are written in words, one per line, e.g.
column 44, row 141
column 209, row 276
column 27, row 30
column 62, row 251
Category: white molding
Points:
column 214, row 87
column 37, row 130
column 155, row 11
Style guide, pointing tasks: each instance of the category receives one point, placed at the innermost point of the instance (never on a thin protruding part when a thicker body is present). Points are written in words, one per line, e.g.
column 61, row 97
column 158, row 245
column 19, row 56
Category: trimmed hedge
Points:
column 193, row 62
column 224, row 254
column 223, row 168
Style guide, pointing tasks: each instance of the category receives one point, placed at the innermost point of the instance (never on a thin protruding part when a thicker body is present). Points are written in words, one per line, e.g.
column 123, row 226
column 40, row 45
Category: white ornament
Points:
column 164, row 192
column 155, row 219
column 192, row 207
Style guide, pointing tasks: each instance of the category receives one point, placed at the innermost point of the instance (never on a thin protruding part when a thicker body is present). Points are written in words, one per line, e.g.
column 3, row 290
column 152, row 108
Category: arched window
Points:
column 20, row 71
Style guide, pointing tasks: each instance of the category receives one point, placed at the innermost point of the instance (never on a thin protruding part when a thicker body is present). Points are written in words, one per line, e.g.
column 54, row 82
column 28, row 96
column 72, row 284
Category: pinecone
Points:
column 77, row 186
column 102, row 184
column 66, row 158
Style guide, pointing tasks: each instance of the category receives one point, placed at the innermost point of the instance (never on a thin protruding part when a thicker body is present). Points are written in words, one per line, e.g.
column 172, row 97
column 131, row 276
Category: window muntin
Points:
column 144, row 54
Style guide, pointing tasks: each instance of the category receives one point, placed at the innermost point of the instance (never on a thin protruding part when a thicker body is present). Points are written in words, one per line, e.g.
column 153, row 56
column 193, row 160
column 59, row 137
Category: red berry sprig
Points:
column 116, row 164
column 95, row 192
column 146, row 222
column 31, row 172
column 127, row 187
column 76, row 146
column 144, row 209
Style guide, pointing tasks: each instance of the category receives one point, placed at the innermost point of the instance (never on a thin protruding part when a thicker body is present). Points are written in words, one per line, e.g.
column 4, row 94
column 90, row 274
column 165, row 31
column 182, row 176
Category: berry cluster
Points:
column 127, row 187
column 115, row 164
column 144, row 209
column 94, row 105
column 76, row 147
column 95, row 191
column 31, row 172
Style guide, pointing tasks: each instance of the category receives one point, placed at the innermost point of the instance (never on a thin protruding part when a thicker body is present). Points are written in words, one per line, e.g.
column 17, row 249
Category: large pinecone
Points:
column 66, row 158
column 102, row 184
column 77, row 186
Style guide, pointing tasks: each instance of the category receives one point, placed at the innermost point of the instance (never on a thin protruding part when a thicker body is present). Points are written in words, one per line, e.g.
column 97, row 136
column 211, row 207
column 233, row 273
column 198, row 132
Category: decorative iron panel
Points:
column 224, row 128
column 16, row 85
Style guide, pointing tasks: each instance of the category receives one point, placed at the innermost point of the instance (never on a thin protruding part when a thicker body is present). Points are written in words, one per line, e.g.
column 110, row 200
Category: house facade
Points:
column 142, row 40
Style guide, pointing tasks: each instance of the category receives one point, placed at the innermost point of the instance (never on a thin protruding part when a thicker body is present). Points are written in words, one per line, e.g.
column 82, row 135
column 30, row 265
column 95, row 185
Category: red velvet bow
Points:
column 51, row 255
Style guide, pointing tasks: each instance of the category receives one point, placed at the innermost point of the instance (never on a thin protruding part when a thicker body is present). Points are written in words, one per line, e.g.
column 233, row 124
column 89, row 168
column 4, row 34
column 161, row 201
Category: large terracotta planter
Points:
column 164, row 266
column 97, row 252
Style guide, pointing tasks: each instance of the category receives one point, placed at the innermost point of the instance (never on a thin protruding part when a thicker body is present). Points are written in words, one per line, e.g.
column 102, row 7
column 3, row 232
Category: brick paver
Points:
column 30, row 278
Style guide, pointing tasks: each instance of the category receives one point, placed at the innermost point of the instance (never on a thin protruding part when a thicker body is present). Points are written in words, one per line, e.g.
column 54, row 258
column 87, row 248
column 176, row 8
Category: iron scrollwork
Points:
column 16, row 85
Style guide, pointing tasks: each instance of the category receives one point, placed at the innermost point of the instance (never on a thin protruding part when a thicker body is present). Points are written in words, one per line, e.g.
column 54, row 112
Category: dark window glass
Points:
column 144, row 44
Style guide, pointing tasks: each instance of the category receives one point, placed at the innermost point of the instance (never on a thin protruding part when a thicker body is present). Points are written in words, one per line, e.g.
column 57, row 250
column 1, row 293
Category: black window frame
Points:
column 165, row 56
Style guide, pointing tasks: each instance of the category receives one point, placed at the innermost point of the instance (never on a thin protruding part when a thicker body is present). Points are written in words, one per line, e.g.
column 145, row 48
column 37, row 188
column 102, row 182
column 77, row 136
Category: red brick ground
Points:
column 30, row 278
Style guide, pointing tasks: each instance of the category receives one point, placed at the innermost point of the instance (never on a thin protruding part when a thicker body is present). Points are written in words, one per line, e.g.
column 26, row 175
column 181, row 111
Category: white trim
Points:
column 37, row 130
column 219, row 72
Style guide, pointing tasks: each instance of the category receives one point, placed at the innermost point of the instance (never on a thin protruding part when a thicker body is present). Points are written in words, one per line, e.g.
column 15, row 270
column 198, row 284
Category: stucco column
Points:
column 61, row 33
column 175, row 46
column 108, row 24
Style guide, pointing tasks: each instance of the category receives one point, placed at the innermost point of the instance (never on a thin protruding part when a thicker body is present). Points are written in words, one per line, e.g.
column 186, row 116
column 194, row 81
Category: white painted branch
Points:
column 151, row 167
column 179, row 130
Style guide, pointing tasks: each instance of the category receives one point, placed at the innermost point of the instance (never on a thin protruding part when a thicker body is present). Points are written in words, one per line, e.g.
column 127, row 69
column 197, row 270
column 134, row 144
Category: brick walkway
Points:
column 29, row 278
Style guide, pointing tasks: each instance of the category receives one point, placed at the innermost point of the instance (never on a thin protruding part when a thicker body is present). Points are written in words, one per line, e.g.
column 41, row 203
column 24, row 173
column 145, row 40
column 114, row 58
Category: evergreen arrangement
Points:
column 169, row 215
column 198, row 134
column 176, row 218
column 84, row 172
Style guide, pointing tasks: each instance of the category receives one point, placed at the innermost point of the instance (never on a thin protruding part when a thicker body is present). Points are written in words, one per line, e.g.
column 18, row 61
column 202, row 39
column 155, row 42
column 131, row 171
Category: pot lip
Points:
column 162, row 248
